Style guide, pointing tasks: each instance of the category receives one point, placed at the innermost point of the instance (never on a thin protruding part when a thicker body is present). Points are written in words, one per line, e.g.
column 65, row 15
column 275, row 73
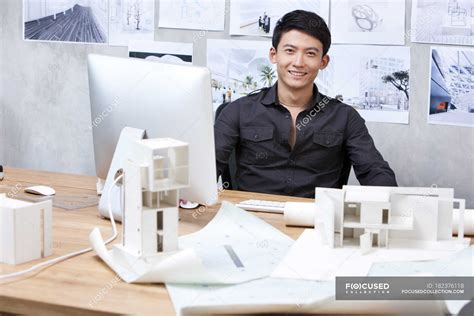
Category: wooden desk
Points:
column 84, row 284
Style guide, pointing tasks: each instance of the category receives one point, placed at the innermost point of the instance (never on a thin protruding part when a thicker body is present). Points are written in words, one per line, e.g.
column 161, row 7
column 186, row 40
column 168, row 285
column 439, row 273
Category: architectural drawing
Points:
column 451, row 86
column 82, row 21
column 368, row 22
column 238, row 68
column 192, row 14
column 366, row 19
column 443, row 21
column 259, row 18
column 373, row 79
column 131, row 20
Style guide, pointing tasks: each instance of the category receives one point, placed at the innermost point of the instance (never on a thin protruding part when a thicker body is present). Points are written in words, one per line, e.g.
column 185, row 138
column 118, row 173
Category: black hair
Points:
column 306, row 22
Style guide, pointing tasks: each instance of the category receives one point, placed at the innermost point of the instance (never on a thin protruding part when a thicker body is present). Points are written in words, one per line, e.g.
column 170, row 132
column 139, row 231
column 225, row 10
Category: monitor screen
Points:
column 163, row 99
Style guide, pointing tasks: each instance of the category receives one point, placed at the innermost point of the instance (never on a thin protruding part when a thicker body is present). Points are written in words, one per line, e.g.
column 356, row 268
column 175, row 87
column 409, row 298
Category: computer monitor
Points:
column 163, row 99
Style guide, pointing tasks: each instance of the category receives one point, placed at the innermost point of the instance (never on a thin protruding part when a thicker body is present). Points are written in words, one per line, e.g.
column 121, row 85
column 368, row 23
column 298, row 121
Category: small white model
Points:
column 155, row 171
column 25, row 230
column 379, row 216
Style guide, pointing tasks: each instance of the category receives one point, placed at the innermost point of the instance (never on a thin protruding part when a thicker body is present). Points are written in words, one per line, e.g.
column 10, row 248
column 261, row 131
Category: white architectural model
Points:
column 155, row 171
column 25, row 230
column 379, row 216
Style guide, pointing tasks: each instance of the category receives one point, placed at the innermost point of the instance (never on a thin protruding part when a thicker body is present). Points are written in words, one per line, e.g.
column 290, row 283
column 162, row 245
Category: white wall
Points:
column 46, row 100
column 47, row 113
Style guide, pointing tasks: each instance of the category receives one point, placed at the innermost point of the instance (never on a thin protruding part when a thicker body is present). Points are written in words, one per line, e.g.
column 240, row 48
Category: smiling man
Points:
column 290, row 138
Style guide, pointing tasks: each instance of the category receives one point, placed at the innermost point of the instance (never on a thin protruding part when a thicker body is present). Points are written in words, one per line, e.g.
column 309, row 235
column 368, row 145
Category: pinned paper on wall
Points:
column 66, row 21
column 443, row 22
column 451, row 86
column 168, row 52
column 195, row 15
column 131, row 20
column 238, row 68
column 375, row 80
column 259, row 18
column 368, row 22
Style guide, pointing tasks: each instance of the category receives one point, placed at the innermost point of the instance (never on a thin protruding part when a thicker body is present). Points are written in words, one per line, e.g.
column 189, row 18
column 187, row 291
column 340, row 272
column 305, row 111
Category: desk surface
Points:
column 85, row 284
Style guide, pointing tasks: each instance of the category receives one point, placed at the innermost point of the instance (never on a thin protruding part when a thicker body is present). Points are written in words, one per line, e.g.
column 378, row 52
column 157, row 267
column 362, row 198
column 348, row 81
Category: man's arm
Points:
column 369, row 165
column 226, row 135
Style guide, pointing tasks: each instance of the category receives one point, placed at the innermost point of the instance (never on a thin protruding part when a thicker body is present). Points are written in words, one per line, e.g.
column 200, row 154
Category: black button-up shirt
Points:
column 330, row 137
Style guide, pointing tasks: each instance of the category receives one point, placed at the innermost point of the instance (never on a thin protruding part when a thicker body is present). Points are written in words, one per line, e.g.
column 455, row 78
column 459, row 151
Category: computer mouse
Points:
column 187, row 204
column 40, row 190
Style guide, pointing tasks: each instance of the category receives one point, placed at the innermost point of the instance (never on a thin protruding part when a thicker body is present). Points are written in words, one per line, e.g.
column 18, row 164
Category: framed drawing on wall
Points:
column 81, row 21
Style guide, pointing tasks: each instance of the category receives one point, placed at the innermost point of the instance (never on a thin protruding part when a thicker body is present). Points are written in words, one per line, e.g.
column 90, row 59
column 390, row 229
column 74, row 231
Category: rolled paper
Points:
column 299, row 214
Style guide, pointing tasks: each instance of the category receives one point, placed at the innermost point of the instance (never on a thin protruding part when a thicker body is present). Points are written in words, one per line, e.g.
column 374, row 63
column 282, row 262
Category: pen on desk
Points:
column 1, row 172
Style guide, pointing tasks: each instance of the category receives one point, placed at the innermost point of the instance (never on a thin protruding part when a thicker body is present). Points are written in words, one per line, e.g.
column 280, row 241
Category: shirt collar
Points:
column 271, row 97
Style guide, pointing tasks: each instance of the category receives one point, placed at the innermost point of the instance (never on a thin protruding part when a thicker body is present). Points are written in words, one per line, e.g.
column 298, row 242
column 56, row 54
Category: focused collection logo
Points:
column 367, row 288
column 404, row 288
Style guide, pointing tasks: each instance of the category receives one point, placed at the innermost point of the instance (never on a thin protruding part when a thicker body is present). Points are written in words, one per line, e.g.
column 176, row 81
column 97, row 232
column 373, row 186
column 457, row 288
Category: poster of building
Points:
column 168, row 52
column 192, row 14
column 258, row 18
column 451, row 99
column 131, row 20
column 375, row 80
column 443, row 21
column 368, row 22
column 238, row 68
column 80, row 21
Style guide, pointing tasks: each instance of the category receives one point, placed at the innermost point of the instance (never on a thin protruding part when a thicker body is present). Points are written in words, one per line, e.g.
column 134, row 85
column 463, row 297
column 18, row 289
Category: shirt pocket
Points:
column 327, row 139
column 257, row 145
column 324, row 152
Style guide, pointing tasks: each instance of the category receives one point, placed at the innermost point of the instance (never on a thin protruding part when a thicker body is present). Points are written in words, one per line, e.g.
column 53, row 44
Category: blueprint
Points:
column 234, row 247
column 285, row 295
column 304, row 296
column 300, row 263
column 227, row 266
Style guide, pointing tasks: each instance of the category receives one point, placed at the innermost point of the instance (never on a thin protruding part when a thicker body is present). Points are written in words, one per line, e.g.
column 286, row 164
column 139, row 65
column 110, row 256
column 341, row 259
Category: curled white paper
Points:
column 234, row 247
column 299, row 214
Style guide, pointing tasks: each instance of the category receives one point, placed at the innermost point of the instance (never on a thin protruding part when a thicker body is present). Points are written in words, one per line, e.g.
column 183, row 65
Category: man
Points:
column 290, row 138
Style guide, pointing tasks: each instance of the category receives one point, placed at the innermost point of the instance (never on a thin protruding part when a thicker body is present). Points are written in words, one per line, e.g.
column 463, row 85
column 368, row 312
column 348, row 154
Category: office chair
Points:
column 228, row 175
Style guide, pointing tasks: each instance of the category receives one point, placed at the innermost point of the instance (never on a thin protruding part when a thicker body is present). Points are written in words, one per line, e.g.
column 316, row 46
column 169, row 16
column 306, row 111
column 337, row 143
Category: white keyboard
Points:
column 263, row 206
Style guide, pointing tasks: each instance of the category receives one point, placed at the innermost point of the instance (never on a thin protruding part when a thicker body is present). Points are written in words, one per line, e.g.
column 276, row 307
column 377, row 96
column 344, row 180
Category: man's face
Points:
column 298, row 57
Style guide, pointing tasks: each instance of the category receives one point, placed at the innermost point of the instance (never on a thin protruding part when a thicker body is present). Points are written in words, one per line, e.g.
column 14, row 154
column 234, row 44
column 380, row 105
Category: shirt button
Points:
column 255, row 136
column 328, row 142
column 288, row 180
column 287, row 116
column 292, row 161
